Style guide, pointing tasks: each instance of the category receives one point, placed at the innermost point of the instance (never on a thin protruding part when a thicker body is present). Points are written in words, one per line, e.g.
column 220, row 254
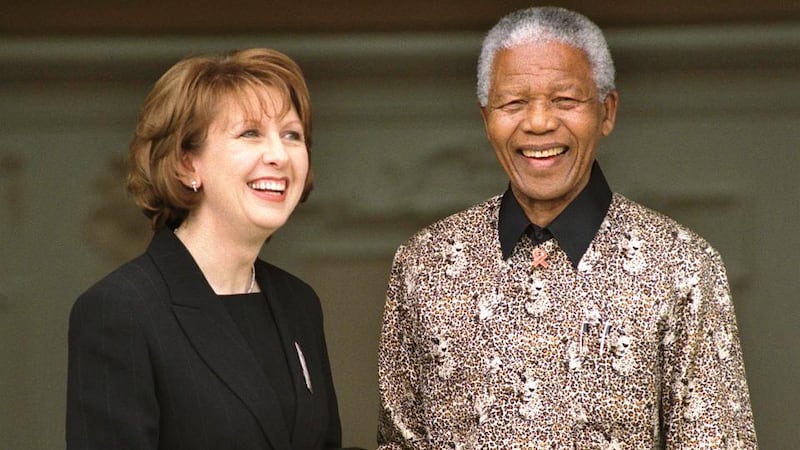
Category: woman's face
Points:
column 252, row 168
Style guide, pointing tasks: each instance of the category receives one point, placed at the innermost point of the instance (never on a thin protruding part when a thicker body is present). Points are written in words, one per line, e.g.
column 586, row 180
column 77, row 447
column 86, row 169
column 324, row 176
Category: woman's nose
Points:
column 274, row 151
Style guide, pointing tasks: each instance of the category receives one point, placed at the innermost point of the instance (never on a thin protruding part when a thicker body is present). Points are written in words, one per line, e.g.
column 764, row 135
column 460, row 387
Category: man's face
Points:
column 544, row 120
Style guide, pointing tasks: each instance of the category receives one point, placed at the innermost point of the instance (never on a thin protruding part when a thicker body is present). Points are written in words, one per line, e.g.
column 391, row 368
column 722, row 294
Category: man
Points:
column 560, row 314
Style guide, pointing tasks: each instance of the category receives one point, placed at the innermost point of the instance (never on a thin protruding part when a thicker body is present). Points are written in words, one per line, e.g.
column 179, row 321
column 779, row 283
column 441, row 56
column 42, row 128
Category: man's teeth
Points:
column 276, row 186
column 546, row 153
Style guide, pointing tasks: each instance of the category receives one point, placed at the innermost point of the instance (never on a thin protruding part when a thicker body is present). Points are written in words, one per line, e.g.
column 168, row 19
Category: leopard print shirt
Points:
column 637, row 348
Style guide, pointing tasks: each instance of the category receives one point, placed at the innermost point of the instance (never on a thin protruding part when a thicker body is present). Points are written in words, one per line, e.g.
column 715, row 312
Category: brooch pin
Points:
column 304, row 366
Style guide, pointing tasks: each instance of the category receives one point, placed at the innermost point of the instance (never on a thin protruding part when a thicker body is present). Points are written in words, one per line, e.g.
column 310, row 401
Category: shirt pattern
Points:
column 637, row 348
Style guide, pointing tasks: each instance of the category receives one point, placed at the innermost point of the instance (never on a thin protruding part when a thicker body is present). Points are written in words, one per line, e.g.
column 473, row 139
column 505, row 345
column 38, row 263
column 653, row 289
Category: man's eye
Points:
column 513, row 105
column 566, row 102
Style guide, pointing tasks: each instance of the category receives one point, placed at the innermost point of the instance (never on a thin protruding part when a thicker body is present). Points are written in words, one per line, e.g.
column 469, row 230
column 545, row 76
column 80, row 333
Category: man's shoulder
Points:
column 475, row 226
column 465, row 224
column 634, row 213
column 628, row 216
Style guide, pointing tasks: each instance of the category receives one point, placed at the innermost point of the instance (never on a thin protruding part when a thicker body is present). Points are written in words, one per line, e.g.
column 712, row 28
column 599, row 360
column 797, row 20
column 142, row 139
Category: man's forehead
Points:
column 558, row 62
column 542, row 49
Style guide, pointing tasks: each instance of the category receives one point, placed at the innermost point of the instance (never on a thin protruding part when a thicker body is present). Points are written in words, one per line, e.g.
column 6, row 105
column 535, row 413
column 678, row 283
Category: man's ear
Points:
column 610, row 112
column 485, row 117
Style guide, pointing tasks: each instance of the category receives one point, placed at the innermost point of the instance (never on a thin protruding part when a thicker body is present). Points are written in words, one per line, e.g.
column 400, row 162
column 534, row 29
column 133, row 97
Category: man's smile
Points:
column 544, row 153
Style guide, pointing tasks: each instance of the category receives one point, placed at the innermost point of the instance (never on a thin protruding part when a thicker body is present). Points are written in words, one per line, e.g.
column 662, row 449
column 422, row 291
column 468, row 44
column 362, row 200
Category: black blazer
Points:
column 156, row 362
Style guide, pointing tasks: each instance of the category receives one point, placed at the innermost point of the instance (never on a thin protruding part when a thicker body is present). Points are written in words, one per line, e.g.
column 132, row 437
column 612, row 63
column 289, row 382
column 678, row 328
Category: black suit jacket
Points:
column 156, row 362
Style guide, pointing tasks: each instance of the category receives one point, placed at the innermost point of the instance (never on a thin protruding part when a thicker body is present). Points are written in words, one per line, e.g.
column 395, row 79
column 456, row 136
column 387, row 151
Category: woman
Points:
column 198, row 344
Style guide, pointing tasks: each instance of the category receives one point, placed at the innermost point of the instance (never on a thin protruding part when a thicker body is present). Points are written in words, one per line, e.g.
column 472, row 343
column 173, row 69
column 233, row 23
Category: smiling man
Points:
column 559, row 314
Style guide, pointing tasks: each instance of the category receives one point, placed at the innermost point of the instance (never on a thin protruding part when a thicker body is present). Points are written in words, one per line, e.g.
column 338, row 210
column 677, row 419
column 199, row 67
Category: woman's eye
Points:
column 293, row 136
column 251, row 133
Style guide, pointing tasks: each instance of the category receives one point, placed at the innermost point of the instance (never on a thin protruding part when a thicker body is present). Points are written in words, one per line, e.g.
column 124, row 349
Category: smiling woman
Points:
column 198, row 343
column 251, row 169
column 243, row 88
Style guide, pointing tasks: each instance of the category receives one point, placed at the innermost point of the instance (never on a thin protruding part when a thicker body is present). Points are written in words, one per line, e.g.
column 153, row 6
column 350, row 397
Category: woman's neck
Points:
column 225, row 260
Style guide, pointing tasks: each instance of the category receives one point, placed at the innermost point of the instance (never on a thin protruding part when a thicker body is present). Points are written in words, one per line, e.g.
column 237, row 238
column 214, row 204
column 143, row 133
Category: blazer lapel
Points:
column 215, row 336
column 291, row 320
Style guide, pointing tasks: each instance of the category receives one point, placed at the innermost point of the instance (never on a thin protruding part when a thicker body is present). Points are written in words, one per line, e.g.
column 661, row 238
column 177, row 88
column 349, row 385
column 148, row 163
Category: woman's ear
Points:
column 187, row 173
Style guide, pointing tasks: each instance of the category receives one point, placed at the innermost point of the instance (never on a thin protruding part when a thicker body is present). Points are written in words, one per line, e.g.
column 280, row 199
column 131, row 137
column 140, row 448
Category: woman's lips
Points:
column 277, row 186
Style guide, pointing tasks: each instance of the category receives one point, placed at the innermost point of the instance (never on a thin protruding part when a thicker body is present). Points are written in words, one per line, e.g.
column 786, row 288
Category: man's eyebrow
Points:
column 566, row 85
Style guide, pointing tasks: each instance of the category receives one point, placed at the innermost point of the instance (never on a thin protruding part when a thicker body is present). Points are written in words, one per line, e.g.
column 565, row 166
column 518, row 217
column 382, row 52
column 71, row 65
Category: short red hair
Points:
column 179, row 110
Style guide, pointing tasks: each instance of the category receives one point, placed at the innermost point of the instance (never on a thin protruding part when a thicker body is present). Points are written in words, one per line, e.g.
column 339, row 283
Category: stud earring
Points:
column 194, row 185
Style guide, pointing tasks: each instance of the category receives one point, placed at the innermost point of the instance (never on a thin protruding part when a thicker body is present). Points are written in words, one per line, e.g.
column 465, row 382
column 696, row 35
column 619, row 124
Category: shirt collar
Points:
column 574, row 228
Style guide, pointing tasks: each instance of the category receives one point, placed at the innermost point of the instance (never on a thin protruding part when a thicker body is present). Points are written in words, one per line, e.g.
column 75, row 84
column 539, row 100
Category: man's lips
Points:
column 543, row 152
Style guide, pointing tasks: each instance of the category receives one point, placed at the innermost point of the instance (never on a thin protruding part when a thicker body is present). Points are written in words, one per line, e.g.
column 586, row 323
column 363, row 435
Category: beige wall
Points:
column 707, row 132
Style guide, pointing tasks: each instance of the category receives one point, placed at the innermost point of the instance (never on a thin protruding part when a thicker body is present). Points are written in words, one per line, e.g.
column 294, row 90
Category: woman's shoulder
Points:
column 279, row 275
column 288, row 288
column 132, row 282
column 284, row 280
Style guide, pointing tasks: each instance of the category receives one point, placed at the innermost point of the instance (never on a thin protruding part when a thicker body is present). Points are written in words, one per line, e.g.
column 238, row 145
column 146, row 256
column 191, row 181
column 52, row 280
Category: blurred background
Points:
column 708, row 132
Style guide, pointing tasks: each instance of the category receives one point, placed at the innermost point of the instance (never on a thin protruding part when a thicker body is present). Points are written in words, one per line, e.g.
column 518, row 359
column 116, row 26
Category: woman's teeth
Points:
column 274, row 186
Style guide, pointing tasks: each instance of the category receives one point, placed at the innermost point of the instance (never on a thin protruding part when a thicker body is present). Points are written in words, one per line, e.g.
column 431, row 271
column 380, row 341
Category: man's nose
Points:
column 540, row 117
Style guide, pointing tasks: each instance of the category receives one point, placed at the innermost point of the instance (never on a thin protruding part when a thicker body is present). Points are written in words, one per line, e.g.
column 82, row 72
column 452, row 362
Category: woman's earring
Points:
column 194, row 185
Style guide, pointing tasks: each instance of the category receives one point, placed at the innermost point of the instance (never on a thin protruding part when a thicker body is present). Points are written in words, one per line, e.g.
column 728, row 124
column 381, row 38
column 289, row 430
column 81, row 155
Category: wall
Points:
column 707, row 132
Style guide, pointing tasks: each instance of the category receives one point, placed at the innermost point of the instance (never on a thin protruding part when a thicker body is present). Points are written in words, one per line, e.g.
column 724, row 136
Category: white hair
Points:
column 542, row 25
